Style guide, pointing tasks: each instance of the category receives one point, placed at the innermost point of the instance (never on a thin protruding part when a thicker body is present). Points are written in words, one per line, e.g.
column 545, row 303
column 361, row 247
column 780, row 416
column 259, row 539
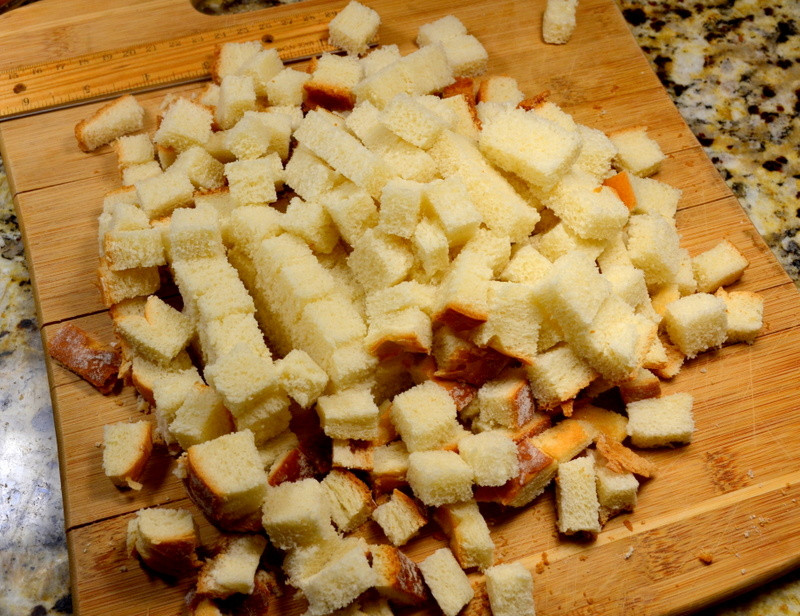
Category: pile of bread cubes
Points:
column 399, row 299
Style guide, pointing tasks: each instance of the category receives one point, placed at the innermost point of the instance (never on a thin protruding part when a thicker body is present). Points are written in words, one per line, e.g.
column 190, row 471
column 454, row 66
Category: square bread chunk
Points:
column 183, row 125
column 296, row 514
column 661, row 422
column 164, row 539
column 302, row 377
column 510, row 590
column 339, row 582
column 349, row 498
column 654, row 247
column 466, row 55
column 439, row 477
column 558, row 22
column 126, row 450
column 492, row 456
column 470, row 540
column 616, row 492
column 412, row 121
column 202, row 417
column 745, row 315
column 576, row 497
column 719, row 266
column 696, row 323
column 159, row 195
column 350, row 414
column 115, row 119
column 354, row 27
column 400, row 518
column 558, row 375
column 636, row 152
column 233, row 569
column 425, row 416
column 251, row 182
column 399, row 577
column 312, row 222
column 160, row 333
column 448, row 583
column 242, row 376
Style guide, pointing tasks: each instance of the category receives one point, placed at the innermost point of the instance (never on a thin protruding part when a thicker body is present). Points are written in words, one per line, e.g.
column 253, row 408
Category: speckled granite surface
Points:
column 733, row 69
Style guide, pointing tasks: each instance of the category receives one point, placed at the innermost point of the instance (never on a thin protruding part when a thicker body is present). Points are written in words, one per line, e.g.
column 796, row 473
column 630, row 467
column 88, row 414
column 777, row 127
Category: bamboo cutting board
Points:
column 733, row 493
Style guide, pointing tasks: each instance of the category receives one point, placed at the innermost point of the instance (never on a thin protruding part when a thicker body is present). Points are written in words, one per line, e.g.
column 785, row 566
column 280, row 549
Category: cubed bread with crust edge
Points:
column 119, row 117
column 399, row 577
column 296, row 514
column 719, row 266
column 400, row 518
column 233, row 568
column 165, row 540
column 448, row 583
column 576, row 497
column 126, row 450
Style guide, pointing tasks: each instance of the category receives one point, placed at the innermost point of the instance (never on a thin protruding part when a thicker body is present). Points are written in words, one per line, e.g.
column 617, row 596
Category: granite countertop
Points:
column 733, row 69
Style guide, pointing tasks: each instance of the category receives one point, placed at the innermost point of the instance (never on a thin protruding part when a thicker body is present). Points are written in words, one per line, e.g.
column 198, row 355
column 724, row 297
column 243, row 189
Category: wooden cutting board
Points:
column 733, row 493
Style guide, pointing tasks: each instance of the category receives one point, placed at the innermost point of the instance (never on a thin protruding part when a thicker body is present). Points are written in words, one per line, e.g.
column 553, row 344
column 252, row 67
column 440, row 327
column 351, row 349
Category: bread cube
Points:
column 661, row 422
column 431, row 247
column 226, row 480
column 379, row 260
column 527, row 265
column 408, row 329
column 450, row 202
column 500, row 89
column 302, row 377
column 506, row 402
column 296, row 513
column 203, row 170
column 425, row 416
column 350, row 414
column 286, row 88
column 745, row 312
column 233, row 569
column 251, row 181
column 379, row 57
column 439, row 477
column 541, row 157
column 127, row 249
column 466, row 55
column 308, row 175
column 654, row 197
column 164, row 539
column 558, row 22
column 121, row 116
column 399, row 577
column 448, row 583
column 134, row 150
column 442, row 29
column 492, row 456
column 354, row 27
column 194, row 233
column 636, row 152
column 576, row 497
column 184, row 124
column 352, row 209
column 510, row 590
column 230, row 57
column 400, row 518
column 513, row 324
column 236, row 95
column 261, row 67
column 654, row 247
column 248, row 138
column 401, row 203
column 411, row 121
column 719, row 266
column 469, row 536
column 331, row 82
column 349, row 499
column 560, row 240
column 696, row 323
column 159, row 195
column 241, row 377
column 616, row 492
column 202, row 417
column 160, row 334
column 137, row 172
column 597, row 152
column 126, row 450
column 350, row 366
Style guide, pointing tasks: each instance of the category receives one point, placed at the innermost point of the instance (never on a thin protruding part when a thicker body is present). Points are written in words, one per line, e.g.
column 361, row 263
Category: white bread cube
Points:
column 379, row 260
column 203, row 170
column 431, row 247
column 466, row 55
column 492, row 456
column 450, row 202
column 425, row 416
column 236, row 95
column 661, row 422
column 202, row 417
column 134, row 248
column 558, row 22
column 597, row 152
column 400, row 518
column 461, row 109
column 654, row 197
column 352, row 209
column 636, row 152
column 407, row 329
column 745, row 312
column 379, row 57
column 261, row 67
column 627, row 283
column 302, row 377
column 308, row 175
column 310, row 221
column 241, row 377
column 251, row 182
column 510, row 590
column 439, row 477
column 217, row 337
column 442, row 29
column 113, row 120
column 506, row 402
column 350, row 365
column 500, row 89
column 354, row 27
column 401, row 203
column 560, row 240
column 233, row 569
column 350, row 414
column 696, row 323
column 513, row 324
column 135, row 173
column 411, row 121
column 448, row 583
column 286, row 88
column 527, row 265
column 469, row 536
column 248, row 138
column 194, row 233
column 159, row 195
column 183, row 125
column 685, row 278
column 266, row 417
column 126, row 450
column 134, row 150
column 229, row 58
column 576, row 497
column 349, row 499
column 331, row 82
column 616, row 492
column 541, row 158
column 719, row 266
column 296, row 513
column 558, row 375
column 160, row 333
column 654, row 247
column 225, row 478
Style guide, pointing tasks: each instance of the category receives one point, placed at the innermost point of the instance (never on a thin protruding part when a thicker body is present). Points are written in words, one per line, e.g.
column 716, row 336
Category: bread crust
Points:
column 87, row 356
column 399, row 577
column 536, row 469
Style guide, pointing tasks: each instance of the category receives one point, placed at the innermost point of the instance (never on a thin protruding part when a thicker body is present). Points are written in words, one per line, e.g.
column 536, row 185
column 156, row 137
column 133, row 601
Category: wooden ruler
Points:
column 95, row 76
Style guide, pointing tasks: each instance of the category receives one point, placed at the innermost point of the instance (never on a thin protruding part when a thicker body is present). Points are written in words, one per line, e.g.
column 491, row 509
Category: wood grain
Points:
column 733, row 492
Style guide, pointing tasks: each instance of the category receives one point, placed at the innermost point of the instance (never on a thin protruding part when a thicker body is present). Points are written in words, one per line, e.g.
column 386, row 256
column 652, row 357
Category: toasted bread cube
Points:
column 719, row 266
column 379, row 260
column 399, row 577
column 616, row 492
column 541, row 158
column 164, row 539
column 251, row 181
column 448, row 583
column 302, row 377
column 339, row 582
column 653, row 245
column 492, row 456
column 113, row 120
column 411, row 121
column 230, row 57
column 233, row 569
column 469, row 536
column 450, row 202
column 654, row 197
column 126, row 449
column 696, row 323
column 593, row 211
column 286, row 88
column 558, row 22
column 202, row 417
column 425, row 416
column 439, row 477
column 225, row 478
column 241, row 377
column 576, row 497
column 236, row 95
column 745, row 312
column 636, row 152
column 354, row 27
column 160, row 195
column 350, row 414
column 296, row 513
column 661, row 422
column 352, row 209
column 349, row 499
column 261, row 67
column 510, row 590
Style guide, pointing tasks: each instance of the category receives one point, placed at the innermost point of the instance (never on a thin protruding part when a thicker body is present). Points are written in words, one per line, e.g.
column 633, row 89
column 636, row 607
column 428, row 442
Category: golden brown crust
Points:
column 642, row 386
column 536, row 469
column 674, row 360
column 399, row 578
column 176, row 557
column 328, row 96
column 462, row 393
column 87, row 356
column 534, row 101
column 620, row 459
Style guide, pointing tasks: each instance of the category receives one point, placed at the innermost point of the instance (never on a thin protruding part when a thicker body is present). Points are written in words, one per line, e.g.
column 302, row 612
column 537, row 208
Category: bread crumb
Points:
column 706, row 558
column 750, row 473
column 744, row 571
column 703, row 370
column 98, row 444
column 746, row 534
column 545, row 561
column 628, row 525
column 539, row 568
column 123, row 569
column 629, row 553
column 583, row 557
